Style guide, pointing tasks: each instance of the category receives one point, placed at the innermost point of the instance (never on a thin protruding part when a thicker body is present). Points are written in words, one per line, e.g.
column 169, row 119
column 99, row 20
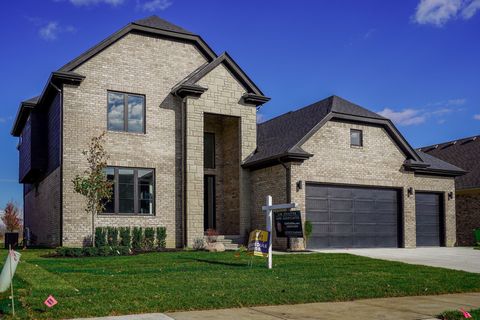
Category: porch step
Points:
column 231, row 242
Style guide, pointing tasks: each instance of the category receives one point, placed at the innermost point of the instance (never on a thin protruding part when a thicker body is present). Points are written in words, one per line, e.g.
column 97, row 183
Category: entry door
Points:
column 429, row 219
column 352, row 217
column 209, row 202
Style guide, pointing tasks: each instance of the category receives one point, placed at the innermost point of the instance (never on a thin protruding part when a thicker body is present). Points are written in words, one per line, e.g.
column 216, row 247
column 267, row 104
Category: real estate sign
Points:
column 288, row 224
column 258, row 243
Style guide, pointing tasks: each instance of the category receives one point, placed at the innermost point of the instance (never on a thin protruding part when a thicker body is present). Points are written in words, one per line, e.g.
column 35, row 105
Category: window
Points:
column 133, row 191
column 209, row 150
column 356, row 137
column 126, row 112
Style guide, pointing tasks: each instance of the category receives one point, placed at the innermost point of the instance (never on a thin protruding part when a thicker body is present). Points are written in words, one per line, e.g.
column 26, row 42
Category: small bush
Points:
column 125, row 237
column 161, row 237
column 90, row 251
column 198, row 244
column 120, row 251
column 137, row 238
column 149, row 239
column 112, row 236
column 69, row 252
column 104, row 251
column 212, row 235
column 100, row 237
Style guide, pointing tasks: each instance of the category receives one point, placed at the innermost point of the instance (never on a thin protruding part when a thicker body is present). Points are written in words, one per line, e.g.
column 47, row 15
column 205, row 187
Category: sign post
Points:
column 268, row 208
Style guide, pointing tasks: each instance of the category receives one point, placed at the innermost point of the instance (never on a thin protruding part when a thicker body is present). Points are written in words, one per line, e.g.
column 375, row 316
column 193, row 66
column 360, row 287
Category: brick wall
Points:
column 42, row 211
column 135, row 64
column 222, row 97
column 468, row 216
column 377, row 163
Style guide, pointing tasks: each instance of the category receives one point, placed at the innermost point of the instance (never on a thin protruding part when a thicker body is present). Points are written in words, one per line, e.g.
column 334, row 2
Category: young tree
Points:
column 93, row 184
column 11, row 217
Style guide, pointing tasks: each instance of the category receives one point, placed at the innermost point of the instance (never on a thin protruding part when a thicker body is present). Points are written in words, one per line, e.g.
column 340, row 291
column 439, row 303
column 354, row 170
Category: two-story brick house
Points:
column 186, row 152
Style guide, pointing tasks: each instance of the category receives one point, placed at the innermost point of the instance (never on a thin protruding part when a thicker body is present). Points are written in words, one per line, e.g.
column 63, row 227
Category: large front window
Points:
column 133, row 191
column 126, row 112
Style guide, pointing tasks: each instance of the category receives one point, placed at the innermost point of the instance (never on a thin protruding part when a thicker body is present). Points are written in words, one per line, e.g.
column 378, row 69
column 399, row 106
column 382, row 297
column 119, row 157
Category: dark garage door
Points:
column 352, row 217
column 428, row 219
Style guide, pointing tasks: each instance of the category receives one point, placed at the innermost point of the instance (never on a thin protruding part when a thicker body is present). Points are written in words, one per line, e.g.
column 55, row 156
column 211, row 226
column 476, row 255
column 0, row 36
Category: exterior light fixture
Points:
column 450, row 195
column 299, row 185
column 410, row 191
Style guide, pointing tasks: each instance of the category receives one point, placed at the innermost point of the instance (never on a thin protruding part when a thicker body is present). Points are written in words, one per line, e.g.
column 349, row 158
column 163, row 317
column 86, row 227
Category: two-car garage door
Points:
column 352, row 217
column 360, row 217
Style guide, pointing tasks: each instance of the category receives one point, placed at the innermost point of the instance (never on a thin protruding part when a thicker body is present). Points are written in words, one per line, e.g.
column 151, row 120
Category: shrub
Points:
column 11, row 218
column 125, row 237
column 120, row 251
column 212, row 235
column 69, row 252
column 149, row 239
column 90, row 251
column 104, row 251
column 100, row 237
column 198, row 244
column 161, row 237
column 137, row 238
column 112, row 236
column 308, row 232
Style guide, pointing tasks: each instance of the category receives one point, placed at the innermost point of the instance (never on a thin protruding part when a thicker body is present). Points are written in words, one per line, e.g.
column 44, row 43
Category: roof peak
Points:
column 156, row 22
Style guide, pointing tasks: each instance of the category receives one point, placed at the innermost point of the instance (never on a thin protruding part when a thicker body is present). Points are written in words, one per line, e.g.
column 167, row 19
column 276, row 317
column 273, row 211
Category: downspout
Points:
column 288, row 190
column 184, row 169
column 60, row 150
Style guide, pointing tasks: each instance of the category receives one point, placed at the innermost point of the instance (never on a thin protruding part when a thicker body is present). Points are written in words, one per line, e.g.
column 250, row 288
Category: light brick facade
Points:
column 378, row 163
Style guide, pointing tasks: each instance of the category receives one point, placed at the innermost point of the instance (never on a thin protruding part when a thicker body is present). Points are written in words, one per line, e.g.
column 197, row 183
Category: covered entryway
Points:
column 352, row 217
column 429, row 219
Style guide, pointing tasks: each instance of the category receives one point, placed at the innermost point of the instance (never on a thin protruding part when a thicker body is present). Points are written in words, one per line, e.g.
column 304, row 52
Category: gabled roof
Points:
column 463, row 153
column 152, row 25
column 254, row 94
column 282, row 138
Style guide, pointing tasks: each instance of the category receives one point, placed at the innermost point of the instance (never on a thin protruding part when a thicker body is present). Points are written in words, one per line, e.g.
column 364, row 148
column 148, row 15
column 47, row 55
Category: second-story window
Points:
column 126, row 112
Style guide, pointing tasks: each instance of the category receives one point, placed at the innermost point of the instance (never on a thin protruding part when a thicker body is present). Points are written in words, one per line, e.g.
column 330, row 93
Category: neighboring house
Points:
column 464, row 153
column 186, row 153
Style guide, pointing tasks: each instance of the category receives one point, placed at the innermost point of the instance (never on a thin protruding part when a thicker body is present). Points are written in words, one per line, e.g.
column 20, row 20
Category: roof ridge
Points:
column 295, row 111
column 448, row 142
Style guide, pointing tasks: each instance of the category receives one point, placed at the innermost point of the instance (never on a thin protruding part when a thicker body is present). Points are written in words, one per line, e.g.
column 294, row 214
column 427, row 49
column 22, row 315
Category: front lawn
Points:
column 457, row 315
column 172, row 281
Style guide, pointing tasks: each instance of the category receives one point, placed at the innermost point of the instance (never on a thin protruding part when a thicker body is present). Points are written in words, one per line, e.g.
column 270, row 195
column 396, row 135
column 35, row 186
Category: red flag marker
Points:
column 50, row 302
column 465, row 313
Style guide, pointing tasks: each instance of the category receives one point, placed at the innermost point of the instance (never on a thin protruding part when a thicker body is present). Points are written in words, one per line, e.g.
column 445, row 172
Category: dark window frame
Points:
column 116, row 199
column 125, row 111
column 361, row 138
column 214, row 150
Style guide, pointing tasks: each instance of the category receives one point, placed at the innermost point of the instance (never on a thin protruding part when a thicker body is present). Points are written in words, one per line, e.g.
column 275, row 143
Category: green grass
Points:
column 171, row 281
column 457, row 315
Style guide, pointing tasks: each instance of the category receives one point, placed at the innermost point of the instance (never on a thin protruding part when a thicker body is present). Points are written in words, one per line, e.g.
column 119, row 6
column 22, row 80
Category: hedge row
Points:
column 137, row 238
column 93, row 251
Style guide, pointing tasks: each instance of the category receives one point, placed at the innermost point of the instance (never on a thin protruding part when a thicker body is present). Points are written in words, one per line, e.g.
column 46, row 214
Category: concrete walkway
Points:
column 411, row 308
column 458, row 258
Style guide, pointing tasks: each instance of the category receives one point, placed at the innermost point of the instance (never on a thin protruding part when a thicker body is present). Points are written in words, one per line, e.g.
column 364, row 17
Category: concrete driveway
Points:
column 466, row 259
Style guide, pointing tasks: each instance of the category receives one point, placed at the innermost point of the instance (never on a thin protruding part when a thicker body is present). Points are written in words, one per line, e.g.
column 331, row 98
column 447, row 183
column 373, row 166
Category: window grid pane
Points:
column 116, row 109
column 133, row 191
column 356, row 137
column 135, row 113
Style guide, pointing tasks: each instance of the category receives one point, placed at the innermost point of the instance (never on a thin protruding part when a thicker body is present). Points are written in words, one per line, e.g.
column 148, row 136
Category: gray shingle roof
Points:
column 436, row 163
column 158, row 23
column 279, row 135
column 463, row 153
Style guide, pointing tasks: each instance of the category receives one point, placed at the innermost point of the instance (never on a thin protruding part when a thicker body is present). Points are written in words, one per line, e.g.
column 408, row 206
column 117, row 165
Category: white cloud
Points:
column 85, row 3
column 369, row 34
column 260, row 117
column 154, row 5
column 51, row 30
column 406, row 117
column 439, row 12
column 476, row 116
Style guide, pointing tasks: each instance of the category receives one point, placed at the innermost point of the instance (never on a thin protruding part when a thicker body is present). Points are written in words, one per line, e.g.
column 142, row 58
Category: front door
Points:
column 209, row 202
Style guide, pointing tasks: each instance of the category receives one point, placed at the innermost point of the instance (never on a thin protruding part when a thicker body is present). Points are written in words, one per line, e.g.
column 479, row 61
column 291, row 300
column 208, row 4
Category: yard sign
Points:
column 258, row 243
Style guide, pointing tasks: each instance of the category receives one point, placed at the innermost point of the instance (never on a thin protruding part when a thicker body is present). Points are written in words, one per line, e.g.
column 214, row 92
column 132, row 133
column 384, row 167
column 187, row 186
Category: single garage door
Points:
column 429, row 215
column 352, row 217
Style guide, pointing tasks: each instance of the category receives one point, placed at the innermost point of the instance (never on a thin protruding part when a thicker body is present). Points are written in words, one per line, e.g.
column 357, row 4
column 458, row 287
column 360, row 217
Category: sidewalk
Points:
column 423, row 307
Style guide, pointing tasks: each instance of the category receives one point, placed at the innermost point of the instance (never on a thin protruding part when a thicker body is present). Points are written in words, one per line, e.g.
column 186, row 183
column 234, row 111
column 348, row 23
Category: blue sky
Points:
column 414, row 61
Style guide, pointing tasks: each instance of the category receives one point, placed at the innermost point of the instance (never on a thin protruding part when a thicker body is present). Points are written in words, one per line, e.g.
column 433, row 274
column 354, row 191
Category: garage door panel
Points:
column 316, row 203
column 428, row 219
column 352, row 216
column 340, row 204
